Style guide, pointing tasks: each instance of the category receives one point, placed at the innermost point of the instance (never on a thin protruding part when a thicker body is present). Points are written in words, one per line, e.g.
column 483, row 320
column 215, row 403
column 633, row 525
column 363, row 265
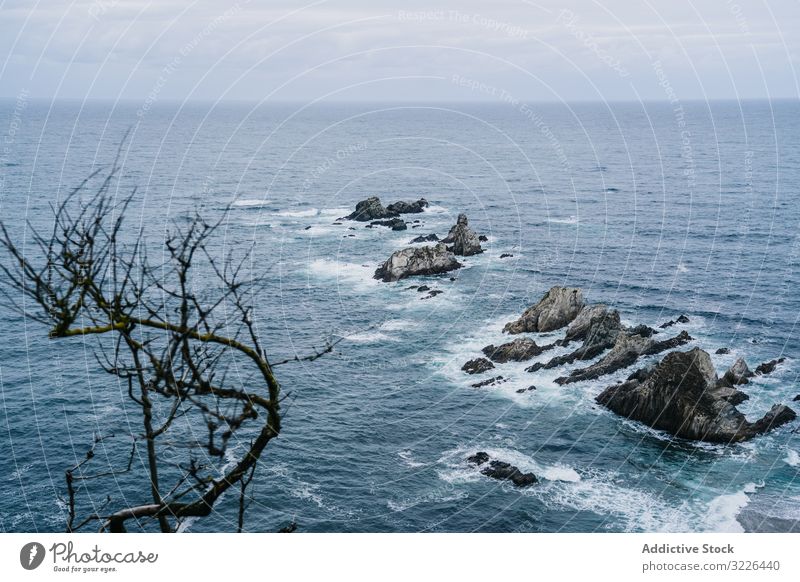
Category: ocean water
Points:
column 657, row 210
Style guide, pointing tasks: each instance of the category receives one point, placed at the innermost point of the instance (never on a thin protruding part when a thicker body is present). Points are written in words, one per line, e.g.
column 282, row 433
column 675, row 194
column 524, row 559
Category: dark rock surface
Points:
column 681, row 319
column 519, row 350
column 501, row 470
column 722, row 351
column 477, row 366
column 424, row 238
column 371, row 209
column 408, row 207
column 597, row 326
column 682, row 397
column 490, row 382
column 628, row 347
column 558, row 307
column 428, row 260
column 737, row 374
column 768, row 367
column 393, row 223
column 463, row 239
column 506, row 255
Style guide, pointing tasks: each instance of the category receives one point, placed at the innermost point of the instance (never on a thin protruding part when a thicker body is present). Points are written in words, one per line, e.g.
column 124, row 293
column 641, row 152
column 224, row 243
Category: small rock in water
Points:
column 479, row 458
column 796, row 398
column 490, row 382
column 424, row 238
column 506, row 255
column 768, row 367
column 477, row 366
column 722, row 351
column 307, row 228
column 501, row 470
column 483, row 238
column 422, row 288
column 433, row 293
column 528, row 389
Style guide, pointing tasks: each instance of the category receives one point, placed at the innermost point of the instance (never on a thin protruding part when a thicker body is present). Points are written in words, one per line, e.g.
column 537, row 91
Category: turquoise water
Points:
column 654, row 210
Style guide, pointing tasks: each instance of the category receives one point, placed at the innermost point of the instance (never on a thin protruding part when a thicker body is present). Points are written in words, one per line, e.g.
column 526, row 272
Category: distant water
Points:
column 653, row 211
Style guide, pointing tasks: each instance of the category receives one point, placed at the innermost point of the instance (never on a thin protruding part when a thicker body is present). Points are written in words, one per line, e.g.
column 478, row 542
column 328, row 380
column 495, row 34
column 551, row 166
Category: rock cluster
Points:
column 683, row 396
column 372, row 209
column 464, row 240
column 558, row 307
column 501, row 470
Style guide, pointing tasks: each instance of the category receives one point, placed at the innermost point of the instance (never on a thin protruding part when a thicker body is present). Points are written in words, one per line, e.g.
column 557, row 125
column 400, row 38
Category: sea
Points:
column 656, row 209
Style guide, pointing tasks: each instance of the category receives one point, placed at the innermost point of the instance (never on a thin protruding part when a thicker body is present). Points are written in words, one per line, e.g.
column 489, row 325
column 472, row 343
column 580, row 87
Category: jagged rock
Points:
column 506, row 255
column 519, row 350
column 737, row 374
column 501, row 470
column 768, row 367
column 528, row 389
column 626, row 350
column 408, row 207
column 796, row 398
column 731, row 394
column 490, row 382
column 722, row 351
column 424, row 238
column 483, row 238
column 371, row 209
column 428, row 260
column 558, row 307
column 393, row 223
column 681, row 319
column 463, row 239
column 477, row 366
column 682, row 397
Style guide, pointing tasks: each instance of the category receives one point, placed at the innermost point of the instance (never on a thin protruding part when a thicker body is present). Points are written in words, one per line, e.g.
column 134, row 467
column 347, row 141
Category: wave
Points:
column 311, row 212
column 250, row 203
column 792, row 458
column 724, row 509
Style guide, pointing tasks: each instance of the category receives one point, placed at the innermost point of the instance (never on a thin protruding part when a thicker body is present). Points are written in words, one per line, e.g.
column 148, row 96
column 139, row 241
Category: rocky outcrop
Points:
column 477, row 366
column 737, row 374
column 768, row 367
column 558, row 307
column 427, row 260
column 682, row 397
column 501, row 470
column 519, row 350
column 463, row 239
column 424, row 238
column 393, row 223
column 681, row 319
column 722, row 351
column 599, row 329
column 371, row 209
column 629, row 346
column 408, row 207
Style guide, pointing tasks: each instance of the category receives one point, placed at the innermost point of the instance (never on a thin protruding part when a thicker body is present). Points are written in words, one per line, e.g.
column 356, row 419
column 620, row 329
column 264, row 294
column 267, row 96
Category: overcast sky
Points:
column 400, row 51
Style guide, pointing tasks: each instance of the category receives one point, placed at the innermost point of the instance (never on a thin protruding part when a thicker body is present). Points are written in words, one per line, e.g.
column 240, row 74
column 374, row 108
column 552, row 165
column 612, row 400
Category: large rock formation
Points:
column 629, row 346
column 371, row 209
column 682, row 396
column 408, row 207
column 599, row 329
column 464, row 240
column 558, row 307
column 501, row 470
column 519, row 350
column 427, row 260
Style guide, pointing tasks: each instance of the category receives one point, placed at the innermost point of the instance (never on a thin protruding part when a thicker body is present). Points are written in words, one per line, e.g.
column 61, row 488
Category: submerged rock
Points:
column 768, row 367
column 428, row 260
column 558, row 307
column 681, row 319
column 682, row 397
column 519, row 350
column 490, row 382
column 501, row 470
column 628, row 347
column 371, row 209
column 722, row 351
column 408, row 207
column 477, row 366
column 506, row 255
column 463, row 239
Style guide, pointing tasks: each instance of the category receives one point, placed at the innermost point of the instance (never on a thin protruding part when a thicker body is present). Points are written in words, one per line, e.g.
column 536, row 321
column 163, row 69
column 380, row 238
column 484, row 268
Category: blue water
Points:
column 654, row 210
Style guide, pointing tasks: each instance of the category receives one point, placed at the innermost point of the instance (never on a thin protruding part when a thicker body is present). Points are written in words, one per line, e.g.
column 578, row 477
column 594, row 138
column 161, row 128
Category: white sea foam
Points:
column 723, row 509
column 250, row 202
column 399, row 325
column 408, row 459
column 571, row 220
column 792, row 458
column 342, row 272
column 459, row 470
column 309, row 212
column 367, row 337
